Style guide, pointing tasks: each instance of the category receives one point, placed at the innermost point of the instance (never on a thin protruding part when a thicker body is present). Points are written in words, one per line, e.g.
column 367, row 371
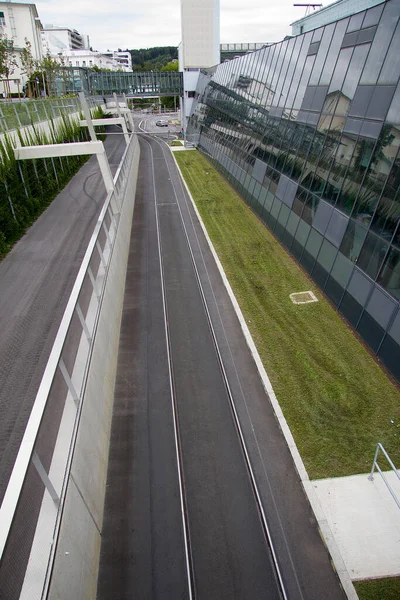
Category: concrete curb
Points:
column 322, row 521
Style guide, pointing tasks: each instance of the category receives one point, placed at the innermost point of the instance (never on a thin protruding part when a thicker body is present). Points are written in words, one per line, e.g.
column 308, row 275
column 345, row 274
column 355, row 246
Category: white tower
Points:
column 200, row 46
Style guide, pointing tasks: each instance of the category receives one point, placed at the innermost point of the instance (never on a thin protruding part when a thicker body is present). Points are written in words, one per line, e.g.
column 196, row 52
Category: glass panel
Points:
column 355, row 22
column 372, row 254
column 356, row 66
column 389, row 276
column 391, row 67
column 393, row 115
column 372, row 16
column 333, row 51
column 340, row 71
column 380, row 44
column 353, row 239
column 322, row 52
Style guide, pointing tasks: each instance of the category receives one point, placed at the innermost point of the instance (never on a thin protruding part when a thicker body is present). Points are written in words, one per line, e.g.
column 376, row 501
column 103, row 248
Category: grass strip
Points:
column 378, row 589
column 337, row 400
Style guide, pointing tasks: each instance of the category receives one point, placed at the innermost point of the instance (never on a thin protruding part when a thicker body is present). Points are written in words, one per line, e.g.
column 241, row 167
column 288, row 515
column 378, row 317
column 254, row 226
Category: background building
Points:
column 200, row 46
column 59, row 39
column 19, row 21
column 308, row 131
column 329, row 14
column 88, row 59
column 122, row 57
column 229, row 51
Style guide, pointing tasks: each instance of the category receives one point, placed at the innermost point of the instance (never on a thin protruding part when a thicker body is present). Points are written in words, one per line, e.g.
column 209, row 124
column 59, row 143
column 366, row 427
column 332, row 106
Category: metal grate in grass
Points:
column 303, row 297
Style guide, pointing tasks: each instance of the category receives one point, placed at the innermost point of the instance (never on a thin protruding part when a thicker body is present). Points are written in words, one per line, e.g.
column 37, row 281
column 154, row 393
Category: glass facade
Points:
column 308, row 131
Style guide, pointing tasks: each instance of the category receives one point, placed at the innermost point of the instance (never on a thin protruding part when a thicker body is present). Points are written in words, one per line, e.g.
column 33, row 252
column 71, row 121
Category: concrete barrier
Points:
column 76, row 563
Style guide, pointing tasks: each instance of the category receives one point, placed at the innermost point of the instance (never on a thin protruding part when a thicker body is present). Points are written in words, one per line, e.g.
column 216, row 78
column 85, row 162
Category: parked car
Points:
column 162, row 123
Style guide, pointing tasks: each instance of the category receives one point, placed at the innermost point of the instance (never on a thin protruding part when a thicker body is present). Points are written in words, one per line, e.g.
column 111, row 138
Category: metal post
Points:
column 92, row 279
column 68, row 381
column 45, row 478
column 88, row 116
column 83, row 322
column 371, row 476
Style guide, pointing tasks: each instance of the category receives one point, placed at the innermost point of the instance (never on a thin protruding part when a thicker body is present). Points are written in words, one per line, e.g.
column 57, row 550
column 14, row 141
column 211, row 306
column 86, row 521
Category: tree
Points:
column 28, row 66
column 171, row 66
column 8, row 62
column 48, row 68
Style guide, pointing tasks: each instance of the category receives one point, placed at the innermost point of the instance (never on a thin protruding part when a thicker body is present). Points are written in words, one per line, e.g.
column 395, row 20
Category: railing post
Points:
column 68, row 381
column 371, row 476
column 45, row 478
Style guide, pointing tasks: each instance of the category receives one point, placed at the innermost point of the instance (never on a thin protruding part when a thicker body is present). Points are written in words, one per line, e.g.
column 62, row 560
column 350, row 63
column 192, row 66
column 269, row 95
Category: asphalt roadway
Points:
column 36, row 279
column 184, row 512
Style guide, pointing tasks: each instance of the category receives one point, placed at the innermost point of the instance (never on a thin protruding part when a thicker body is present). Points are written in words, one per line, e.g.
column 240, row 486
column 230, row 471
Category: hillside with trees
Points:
column 153, row 59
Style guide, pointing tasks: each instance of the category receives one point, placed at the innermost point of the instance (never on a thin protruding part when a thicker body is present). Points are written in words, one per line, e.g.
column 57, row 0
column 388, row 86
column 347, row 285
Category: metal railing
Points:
column 375, row 465
column 35, row 480
column 17, row 114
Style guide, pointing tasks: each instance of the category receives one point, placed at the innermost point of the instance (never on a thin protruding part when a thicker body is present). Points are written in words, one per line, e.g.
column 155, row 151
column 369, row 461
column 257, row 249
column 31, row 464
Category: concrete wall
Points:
column 77, row 557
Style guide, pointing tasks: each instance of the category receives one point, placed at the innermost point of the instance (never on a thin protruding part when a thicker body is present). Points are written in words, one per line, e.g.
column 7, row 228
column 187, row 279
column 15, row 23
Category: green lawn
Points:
column 378, row 589
column 337, row 400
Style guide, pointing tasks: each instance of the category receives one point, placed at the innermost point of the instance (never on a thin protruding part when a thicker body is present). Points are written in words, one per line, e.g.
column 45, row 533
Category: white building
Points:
column 329, row 14
column 88, row 58
column 123, row 58
column 200, row 45
column 19, row 21
column 58, row 39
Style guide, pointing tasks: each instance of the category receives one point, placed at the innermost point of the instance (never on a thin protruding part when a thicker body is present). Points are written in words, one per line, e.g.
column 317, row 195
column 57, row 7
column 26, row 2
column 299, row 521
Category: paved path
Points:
column 36, row 279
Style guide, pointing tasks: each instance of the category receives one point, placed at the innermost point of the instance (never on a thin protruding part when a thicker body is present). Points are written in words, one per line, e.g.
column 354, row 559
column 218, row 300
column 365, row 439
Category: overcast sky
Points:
column 113, row 24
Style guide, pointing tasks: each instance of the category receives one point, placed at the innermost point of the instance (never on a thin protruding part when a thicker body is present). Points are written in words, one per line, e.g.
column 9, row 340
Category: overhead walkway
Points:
column 70, row 80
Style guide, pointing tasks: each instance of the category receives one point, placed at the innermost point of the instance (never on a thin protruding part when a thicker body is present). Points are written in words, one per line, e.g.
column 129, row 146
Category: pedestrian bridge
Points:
column 70, row 80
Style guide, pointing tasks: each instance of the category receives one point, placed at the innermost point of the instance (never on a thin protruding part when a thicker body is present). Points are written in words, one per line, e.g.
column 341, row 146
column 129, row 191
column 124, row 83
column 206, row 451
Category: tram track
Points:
column 190, row 563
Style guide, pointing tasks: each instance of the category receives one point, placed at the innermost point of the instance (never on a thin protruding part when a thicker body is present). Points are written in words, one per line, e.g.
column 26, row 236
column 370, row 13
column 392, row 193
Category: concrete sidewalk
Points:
column 365, row 522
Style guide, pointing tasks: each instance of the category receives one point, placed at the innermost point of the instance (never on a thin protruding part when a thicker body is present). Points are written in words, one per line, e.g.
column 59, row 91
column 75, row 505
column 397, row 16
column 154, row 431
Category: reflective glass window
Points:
column 356, row 66
column 353, row 239
column 340, row 71
column 389, row 275
column 382, row 39
column 297, row 44
column 333, row 51
column 393, row 115
column 317, row 35
column 322, row 52
column 355, row 22
column 301, row 76
column 373, row 15
column 372, row 254
column 390, row 72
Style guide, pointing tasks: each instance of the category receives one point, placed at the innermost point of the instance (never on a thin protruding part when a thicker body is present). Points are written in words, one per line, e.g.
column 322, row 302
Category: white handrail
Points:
column 18, row 475
column 375, row 465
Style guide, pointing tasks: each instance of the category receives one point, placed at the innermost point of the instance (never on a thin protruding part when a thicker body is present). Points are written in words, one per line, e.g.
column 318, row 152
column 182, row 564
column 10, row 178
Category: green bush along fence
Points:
column 28, row 186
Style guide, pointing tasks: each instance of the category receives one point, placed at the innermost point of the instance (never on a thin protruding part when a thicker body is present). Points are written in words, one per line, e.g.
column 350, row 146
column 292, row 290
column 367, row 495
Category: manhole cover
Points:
column 303, row 297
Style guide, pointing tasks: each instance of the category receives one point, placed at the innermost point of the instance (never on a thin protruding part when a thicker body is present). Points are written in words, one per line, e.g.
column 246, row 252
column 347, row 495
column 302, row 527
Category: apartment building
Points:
column 18, row 22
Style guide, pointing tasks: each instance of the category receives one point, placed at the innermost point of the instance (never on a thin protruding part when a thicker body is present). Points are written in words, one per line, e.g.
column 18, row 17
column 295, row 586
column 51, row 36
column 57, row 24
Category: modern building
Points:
column 18, row 22
column 122, row 57
column 308, row 131
column 229, row 51
column 56, row 40
column 200, row 45
column 329, row 14
column 88, row 59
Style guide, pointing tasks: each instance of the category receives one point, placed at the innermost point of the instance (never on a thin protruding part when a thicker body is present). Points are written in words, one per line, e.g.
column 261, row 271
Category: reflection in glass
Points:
column 372, row 254
column 389, row 276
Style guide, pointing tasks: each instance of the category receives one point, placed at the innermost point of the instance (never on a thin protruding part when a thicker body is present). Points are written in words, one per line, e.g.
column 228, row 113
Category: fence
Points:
column 56, row 491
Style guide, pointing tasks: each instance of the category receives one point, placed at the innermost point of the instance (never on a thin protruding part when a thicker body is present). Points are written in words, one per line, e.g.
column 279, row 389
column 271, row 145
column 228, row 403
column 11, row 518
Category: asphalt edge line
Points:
column 319, row 514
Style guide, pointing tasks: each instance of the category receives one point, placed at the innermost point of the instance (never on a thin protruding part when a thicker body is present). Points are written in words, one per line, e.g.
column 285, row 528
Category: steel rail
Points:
column 178, row 444
column 257, row 495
